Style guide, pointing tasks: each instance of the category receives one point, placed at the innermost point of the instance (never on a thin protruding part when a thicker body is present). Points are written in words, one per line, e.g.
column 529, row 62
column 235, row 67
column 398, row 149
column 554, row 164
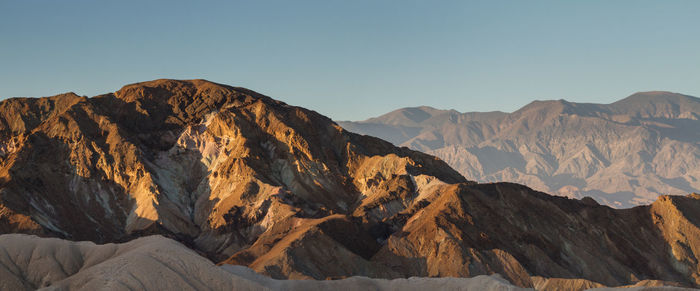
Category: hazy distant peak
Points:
column 429, row 108
column 554, row 108
column 654, row 96
column 544, row 105
column 409, row 115
column 657, row 104
column 653, row 104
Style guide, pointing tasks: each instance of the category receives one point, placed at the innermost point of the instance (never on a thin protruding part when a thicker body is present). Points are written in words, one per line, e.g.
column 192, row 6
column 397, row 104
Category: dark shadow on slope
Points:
column 588, row 241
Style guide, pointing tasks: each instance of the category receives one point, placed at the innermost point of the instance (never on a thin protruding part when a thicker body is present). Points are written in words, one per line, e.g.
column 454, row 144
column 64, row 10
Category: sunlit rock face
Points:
column 212, row 165
column 246, row 180
column 622, row 154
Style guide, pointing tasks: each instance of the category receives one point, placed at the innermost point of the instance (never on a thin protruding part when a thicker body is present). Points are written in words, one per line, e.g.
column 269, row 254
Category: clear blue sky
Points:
column 352, row 60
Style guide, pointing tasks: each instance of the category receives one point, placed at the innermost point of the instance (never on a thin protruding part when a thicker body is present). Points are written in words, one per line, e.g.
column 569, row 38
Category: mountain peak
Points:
column 544, row 104
column 170, row 83
column 550, row 108
column 656, row 96
column 164, row 88
column 178, row 101
column 409, row 115
column 657, row 104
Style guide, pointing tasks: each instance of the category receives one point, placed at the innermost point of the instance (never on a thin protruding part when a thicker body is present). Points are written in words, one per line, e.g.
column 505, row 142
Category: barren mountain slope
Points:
column 511, row 230
column 213, row 165
column 247, row 180
column 622, row 154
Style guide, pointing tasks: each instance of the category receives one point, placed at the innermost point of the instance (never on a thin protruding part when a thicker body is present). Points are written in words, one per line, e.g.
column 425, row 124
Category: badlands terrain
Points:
column 158, row 263
column 622, row 154
column 223, row 175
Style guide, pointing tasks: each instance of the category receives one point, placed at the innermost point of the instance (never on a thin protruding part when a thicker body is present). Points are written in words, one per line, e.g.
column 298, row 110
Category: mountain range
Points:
column 243, row 179
column 622, row 154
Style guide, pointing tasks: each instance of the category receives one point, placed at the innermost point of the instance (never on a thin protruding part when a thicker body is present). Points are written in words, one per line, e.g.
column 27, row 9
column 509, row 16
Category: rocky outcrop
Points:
column 622, row 154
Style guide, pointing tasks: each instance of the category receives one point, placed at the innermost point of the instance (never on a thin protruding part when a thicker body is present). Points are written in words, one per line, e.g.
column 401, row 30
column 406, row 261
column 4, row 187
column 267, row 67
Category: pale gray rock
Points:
column 28, row 262
column 157, row 263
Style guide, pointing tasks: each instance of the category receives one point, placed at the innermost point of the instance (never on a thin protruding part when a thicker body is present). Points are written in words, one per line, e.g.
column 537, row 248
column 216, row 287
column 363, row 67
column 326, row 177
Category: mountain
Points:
column 247, row 180
column 622, row 154
column 214, row 164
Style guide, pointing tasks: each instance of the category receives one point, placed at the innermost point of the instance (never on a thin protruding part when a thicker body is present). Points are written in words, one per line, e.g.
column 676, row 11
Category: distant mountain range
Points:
column 622, row 154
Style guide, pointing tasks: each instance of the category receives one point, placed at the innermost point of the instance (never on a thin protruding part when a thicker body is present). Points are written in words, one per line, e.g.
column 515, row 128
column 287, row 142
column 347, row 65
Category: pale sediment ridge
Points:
column 28, row 262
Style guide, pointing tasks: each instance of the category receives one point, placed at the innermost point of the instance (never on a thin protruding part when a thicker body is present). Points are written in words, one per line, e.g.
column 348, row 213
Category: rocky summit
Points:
column 247, row 180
